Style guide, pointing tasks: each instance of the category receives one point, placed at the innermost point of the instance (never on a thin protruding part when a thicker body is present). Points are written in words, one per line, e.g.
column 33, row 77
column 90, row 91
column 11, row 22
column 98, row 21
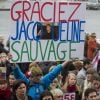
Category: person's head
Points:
column 11, row 79
column 86, row 64
column 87, row 36
column 48, row 28
column 54, row 84
column 96, row 81
column 78, row 64
column 89, row 74
column 57, row 94
column 46, row 95
column 19, row 88
column 36, row 72
column 90, row 94
column 3, row 84
column 3, row 57
column 71, row 79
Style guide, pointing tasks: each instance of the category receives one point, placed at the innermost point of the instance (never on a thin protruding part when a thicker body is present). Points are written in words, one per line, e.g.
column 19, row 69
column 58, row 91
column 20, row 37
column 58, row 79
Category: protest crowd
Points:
column 76, row 79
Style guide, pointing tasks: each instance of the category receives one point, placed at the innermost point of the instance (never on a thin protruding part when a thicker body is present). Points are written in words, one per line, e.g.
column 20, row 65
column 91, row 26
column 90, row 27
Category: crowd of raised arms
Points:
column 75, row 79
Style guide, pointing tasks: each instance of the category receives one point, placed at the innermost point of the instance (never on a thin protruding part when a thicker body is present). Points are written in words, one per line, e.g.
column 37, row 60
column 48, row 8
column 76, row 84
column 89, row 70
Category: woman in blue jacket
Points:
column 38, row 83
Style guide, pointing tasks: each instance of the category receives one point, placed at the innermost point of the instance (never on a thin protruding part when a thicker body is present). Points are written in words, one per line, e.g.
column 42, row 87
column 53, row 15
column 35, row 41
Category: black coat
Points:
column 13, row 97
column 2, row 49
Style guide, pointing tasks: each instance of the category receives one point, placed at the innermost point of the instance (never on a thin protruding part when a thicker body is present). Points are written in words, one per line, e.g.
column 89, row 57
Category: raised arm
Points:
column 48, row 78
column 18, row 73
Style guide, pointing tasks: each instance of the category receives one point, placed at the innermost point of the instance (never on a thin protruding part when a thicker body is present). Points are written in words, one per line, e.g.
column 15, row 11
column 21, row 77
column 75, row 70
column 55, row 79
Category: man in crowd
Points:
column 90, row 94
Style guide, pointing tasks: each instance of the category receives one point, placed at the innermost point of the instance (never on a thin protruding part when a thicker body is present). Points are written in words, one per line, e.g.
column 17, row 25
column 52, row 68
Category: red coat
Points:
column 91, row 48
column 5, row 94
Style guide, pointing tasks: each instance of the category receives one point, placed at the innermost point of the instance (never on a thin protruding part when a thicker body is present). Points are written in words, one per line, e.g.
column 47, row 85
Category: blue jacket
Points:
column 36, row 89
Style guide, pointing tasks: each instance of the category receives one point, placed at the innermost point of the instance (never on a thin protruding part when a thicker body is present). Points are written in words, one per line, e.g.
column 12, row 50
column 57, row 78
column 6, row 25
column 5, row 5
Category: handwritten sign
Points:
column 69, row 96
column 66, row 20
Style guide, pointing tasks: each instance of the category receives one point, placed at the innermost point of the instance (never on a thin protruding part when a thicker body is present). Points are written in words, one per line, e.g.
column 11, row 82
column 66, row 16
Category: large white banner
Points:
column 47, row 31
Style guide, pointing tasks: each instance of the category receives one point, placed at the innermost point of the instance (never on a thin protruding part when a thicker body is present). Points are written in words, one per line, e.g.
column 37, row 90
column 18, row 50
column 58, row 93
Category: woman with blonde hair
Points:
column 71, row 86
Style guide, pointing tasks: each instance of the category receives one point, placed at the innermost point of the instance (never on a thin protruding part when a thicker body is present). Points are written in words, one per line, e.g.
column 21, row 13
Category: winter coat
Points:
column 5, row 94
column 36, row 89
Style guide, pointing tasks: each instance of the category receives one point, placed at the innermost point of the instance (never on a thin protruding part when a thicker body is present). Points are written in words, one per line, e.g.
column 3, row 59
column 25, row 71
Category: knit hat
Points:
column 35, row 70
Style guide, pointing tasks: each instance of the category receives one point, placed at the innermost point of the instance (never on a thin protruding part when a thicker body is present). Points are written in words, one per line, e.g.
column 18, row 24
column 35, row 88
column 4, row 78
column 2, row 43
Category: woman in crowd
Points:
column 37, row 82
column 71, row 86
column 91, row 46
column 11, row 80
column 20, row 91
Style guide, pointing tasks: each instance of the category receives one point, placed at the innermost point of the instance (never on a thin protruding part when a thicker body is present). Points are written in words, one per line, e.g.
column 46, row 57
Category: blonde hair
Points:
column 69, row 75
column 33, row 64
column 56, row 92
column 35, row 69
column 67, row 81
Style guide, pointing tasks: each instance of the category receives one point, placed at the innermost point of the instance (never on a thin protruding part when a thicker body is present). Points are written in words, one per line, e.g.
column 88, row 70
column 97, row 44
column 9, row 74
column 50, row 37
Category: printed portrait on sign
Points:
column 47, row 31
